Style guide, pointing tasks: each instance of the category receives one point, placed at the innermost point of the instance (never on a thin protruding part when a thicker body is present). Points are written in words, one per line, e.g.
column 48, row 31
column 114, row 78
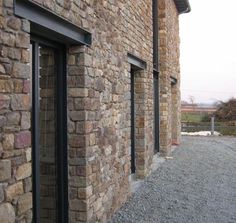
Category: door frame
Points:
column 61, row 134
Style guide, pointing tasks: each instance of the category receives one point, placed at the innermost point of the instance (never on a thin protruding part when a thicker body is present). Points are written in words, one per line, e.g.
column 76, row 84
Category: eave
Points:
column 182, row 6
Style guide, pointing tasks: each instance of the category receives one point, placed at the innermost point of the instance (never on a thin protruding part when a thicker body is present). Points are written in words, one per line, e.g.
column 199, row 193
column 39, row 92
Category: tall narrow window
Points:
column 49, row 150
column 132, row 122
column 156, row 112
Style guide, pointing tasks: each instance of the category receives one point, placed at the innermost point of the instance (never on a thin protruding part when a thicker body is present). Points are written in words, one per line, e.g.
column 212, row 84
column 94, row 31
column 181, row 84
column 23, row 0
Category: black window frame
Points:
column 61, row 94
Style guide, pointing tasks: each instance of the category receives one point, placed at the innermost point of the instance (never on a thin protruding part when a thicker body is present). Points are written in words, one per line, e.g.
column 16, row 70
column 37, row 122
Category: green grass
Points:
column 188, row 117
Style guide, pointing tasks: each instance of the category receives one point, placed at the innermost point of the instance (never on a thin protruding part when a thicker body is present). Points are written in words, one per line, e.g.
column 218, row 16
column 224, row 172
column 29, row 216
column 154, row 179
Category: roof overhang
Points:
column 182, row 6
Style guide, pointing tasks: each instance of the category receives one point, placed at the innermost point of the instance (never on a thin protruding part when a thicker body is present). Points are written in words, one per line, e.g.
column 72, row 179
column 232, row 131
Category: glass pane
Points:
column 48, row 147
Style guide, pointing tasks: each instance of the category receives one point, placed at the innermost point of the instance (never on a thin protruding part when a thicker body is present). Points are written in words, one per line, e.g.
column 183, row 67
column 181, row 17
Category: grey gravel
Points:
column 197, row 185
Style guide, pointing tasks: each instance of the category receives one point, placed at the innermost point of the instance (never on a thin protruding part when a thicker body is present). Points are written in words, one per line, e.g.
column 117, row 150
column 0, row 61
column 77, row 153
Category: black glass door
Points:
column 49, row 133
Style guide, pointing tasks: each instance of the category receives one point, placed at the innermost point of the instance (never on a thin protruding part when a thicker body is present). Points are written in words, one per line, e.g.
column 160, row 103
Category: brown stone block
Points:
column 2, row 19
column 78, row 205
column 27, row 184
column 13, row 118
column 80, row 127
column 20, row 102
column 93, row 179
column 97, row 205
column 72, row 169
column 24, row 203
column 23, row 171
column 14, row 53
column 99, row 84
column 2, row 68
column 21, row 70
column 23, row 139
column 8, row 153
column 84, row 193
column 25, row 56
column 83, row 170
column 2, row 196
column 92, row 199
column 80, row 152
column 127, row 169
column 14, row 190
column 92, row 139
column 8, row 142
column 79, row 103
column 23, row 40
column 4, row 101
column 78, row 181
column 75, row 81
column 3, row 121
column 71, row 60
column 25, row 120
column 77, row 115
column 73, row 193
column 7, row 38
column 6, row 86
column 5, row 170
column 18, row 86
column 76, row 49
column 77, row 141
column 28, row 154
column 78, row 92
column 7, row 213
column 85, row 216
column 85, row 60
column 76, row 70
column 26, row 86
column 8, row 4
column 77, row 161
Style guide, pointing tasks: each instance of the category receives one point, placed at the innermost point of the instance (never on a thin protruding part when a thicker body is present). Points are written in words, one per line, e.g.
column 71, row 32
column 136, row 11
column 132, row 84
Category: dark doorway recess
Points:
column 132, row 73
column 49, row 123
column 156, row 112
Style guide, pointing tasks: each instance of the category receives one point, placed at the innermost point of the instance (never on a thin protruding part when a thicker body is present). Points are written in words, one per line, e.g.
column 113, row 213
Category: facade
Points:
column 89, row 93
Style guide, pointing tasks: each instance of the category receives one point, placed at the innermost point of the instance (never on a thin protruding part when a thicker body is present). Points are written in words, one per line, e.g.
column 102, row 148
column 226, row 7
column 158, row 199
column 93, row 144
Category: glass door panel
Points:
column 47, row 141
column 49, row 138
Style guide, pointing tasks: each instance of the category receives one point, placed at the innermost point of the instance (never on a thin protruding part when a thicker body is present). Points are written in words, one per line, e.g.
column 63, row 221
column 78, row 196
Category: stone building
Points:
column 89, row 93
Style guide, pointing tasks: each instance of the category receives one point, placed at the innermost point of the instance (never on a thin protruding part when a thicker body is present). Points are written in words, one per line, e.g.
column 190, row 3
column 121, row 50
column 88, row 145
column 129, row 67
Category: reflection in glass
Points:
column 48, row 147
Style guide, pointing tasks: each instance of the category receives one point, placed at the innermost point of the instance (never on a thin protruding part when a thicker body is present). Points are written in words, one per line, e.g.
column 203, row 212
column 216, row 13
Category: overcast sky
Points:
column 208, row 50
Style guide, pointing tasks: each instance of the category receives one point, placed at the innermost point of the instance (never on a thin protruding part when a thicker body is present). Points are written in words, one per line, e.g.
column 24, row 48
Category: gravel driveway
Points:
column 198, row 185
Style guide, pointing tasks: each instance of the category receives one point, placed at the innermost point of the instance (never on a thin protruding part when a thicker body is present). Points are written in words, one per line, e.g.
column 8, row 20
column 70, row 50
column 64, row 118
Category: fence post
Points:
column 212, row 125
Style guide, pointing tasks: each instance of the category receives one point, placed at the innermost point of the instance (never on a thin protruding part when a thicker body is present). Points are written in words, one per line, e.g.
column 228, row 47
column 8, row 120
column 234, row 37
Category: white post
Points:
column 212, row 125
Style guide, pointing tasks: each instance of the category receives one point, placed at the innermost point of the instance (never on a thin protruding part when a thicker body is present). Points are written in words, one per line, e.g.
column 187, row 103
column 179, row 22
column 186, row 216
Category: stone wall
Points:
column 99, row 110
column 15, row 105
column 169, row 67
column 98, row 103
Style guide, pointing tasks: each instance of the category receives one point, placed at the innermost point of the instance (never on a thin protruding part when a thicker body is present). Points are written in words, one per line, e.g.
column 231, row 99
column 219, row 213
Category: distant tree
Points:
column 192, row 102
column 191, row 99
column 226, row 111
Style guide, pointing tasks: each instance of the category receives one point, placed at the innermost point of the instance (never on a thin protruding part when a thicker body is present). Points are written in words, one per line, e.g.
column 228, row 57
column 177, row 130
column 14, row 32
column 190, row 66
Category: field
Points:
column 191, row 117
column 193, row 123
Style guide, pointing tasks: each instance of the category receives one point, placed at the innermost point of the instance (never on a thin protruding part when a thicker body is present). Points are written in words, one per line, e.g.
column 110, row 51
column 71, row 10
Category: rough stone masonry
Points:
column 98, row 103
